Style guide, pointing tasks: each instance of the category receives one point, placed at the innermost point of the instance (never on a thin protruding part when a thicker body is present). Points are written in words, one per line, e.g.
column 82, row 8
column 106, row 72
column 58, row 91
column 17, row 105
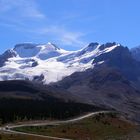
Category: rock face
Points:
column 136, row 53
column 4, row 57
column 121, row 59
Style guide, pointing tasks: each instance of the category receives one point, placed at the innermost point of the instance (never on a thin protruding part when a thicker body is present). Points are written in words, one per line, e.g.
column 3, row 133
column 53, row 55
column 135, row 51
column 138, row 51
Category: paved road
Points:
column 9, row 128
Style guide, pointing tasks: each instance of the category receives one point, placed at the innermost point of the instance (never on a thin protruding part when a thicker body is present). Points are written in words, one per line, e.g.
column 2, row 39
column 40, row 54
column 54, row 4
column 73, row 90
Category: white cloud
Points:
column 20, row 8
column 71, row 38
column 63, row 35
column 13, row 15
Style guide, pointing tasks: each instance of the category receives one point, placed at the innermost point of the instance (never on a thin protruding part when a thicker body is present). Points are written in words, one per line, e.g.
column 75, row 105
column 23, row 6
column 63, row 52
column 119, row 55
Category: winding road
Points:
column 9, row 129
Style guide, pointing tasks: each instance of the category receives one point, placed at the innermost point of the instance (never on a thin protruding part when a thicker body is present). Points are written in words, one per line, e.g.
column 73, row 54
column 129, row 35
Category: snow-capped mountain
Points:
column 47, row 62
column 114, row 81
column 105, row 75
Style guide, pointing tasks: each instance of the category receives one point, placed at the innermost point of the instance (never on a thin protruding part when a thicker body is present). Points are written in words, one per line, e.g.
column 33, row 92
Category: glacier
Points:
column 47, row 62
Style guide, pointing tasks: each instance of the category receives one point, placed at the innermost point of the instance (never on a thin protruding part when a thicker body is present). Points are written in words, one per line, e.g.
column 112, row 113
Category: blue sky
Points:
column 71, row 24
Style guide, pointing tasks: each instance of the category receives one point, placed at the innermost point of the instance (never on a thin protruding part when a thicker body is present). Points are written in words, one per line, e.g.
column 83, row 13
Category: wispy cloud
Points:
column 63, row 35
column 21, row 8
column 19, row 15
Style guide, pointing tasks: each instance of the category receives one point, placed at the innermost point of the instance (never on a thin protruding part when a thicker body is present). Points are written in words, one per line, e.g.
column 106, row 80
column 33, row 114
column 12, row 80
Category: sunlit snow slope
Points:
column 47, row 62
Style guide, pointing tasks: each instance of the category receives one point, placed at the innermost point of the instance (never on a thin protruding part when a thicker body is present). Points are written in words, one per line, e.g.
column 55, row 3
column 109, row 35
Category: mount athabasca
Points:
column 105, row 75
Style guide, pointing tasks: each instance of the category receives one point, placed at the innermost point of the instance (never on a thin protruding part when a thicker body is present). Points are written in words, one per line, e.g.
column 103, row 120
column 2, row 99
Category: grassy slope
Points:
column 19, row 137
column 94, row 128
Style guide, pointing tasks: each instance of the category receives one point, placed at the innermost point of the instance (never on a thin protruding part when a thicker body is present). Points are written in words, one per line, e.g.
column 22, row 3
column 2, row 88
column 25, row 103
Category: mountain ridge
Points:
column 25, row 59
column 104, row 75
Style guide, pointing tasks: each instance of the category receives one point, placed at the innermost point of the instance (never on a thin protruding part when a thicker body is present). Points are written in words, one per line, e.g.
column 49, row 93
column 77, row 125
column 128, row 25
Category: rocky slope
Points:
column 114, row 83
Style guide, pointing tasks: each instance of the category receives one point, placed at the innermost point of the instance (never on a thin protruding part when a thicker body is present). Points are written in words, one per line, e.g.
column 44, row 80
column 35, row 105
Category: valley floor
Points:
column 20, row 137
column 98, row 127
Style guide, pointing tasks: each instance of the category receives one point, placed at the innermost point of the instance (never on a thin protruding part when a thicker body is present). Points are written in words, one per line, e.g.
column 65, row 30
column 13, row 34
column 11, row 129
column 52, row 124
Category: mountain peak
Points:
column 108, row 45
column 24, row 46
column 33, row 45
column 92, row 44
column 91, row 47
column 52, row 45
column 43, row 51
